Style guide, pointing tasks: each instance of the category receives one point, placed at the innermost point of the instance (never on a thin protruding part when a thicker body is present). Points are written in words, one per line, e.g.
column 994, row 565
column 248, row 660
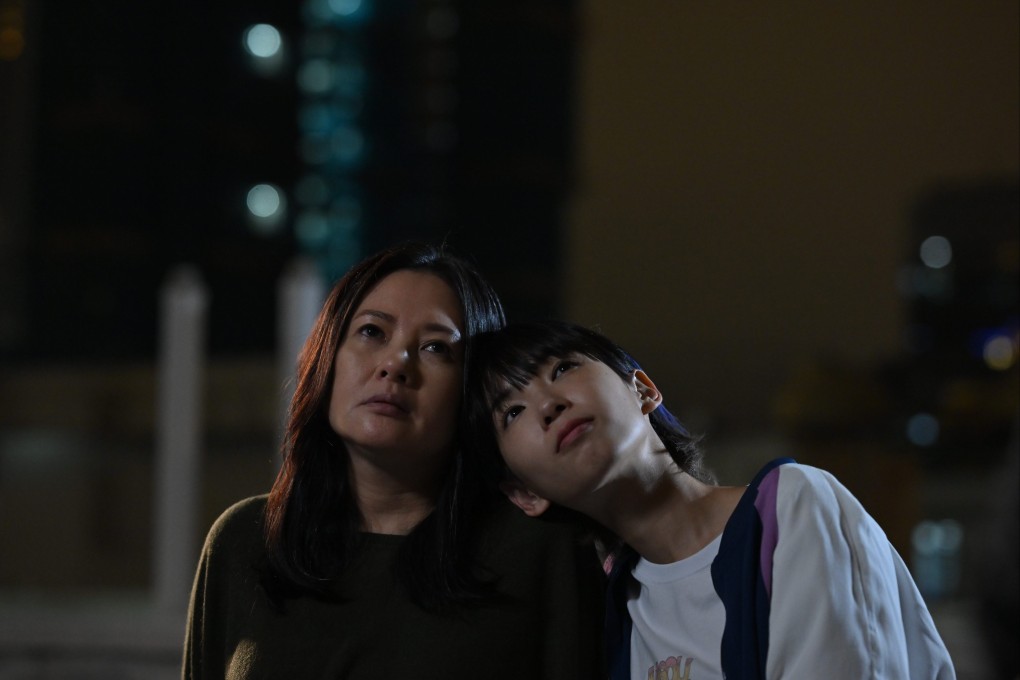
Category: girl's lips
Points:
column 571, row 431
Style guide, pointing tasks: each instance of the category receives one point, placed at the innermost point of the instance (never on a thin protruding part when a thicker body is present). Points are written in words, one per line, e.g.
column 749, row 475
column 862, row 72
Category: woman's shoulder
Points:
column 240, row 524
column 530, row 554
column 245, row 512
column 505, row 525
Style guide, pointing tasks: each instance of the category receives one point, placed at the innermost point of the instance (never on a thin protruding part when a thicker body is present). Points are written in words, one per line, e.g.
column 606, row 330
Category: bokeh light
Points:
column 312, row 229
column 264, row 200
column 347, row 145
column 12, row 43
column 344, row 8
column 923, row 429
column 263, row 41
column 267, row 209
column 312, row 190
column 999, row 352
column 315, row 76
column 936, row 252
column 930, row 537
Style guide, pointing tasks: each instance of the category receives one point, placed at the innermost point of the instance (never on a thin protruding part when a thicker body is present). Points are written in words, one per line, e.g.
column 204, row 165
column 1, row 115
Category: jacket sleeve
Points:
column 843, row 604
column 226, row 551
column 195, row 647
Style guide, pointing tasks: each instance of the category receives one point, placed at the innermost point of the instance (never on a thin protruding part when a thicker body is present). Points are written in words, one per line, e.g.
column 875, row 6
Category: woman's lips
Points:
column 571, row 431
column 387, row 404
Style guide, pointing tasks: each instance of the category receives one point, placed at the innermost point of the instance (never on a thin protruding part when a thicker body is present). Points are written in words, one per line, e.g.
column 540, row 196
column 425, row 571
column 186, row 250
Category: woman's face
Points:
column 573, row 427
column 398, row 372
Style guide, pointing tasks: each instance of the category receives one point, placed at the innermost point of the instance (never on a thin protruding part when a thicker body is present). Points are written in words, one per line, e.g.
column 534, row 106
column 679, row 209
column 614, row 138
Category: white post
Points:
column 299, row 295
column 183, row 304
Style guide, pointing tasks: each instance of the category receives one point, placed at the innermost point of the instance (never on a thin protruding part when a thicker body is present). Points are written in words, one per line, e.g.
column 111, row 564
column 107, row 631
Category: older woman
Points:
column 378, row 551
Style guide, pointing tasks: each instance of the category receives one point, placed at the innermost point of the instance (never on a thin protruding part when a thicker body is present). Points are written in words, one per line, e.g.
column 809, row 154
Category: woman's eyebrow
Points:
column 377, row 314
column 454, row 333
column 434, row 327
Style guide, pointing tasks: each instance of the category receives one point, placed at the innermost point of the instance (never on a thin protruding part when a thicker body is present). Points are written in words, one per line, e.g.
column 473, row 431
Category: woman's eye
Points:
column 562, row 367
column 370, row 330
column 437, row 347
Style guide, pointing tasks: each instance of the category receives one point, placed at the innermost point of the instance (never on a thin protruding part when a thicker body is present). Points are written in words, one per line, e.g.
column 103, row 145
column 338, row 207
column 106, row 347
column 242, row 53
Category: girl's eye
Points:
column 511, row 413
column 563, row 366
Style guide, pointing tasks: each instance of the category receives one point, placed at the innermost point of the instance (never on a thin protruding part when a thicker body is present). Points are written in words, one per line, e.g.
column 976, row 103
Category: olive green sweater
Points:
column 546, row 623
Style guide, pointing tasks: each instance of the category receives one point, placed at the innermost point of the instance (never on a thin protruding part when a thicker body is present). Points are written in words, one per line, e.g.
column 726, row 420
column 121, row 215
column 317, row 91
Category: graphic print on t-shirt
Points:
column 678, row 619
column 670, row 669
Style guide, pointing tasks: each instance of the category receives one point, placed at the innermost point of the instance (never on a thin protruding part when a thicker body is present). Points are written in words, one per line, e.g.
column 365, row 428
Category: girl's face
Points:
column 571, row 429
column 398, row 373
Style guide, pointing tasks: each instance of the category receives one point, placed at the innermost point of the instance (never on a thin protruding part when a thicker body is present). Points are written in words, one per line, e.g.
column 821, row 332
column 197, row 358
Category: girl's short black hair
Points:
column 511, row 357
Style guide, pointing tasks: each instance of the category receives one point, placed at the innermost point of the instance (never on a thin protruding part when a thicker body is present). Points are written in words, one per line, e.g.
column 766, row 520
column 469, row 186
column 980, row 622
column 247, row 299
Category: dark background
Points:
column 736, row 193
column 149, row 124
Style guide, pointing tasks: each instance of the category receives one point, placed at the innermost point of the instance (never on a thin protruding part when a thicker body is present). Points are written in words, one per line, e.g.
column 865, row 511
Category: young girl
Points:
column 788, row 577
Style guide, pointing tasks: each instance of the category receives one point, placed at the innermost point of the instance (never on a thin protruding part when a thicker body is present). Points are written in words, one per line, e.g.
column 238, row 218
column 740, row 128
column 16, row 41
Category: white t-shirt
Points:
column 678, row 619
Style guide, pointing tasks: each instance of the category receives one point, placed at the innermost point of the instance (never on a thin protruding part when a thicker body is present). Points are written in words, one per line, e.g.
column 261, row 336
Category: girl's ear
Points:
column 648, row 393
column 524, row 498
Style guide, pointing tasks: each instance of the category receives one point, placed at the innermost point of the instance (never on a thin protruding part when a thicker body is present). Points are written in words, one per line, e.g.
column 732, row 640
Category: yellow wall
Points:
column 746, row 172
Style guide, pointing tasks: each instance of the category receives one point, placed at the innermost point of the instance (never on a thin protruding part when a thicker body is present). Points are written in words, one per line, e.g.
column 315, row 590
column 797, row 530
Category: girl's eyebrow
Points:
column 499, row 399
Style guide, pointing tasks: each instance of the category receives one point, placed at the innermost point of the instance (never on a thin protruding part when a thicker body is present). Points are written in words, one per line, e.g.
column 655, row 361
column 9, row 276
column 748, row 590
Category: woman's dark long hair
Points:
column 312, row 520
column 511, row 357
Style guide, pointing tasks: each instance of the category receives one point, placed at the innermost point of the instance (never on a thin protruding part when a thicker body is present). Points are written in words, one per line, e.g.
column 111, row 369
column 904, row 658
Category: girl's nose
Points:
column 551, row 410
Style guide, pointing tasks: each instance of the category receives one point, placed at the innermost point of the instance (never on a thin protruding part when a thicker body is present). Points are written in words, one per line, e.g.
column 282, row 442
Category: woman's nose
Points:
column 396, row 366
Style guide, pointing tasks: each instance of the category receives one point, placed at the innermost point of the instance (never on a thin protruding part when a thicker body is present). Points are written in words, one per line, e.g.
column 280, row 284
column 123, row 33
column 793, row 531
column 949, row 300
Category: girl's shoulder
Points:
column 792, row 492
column 795, row 477
column 784, row 489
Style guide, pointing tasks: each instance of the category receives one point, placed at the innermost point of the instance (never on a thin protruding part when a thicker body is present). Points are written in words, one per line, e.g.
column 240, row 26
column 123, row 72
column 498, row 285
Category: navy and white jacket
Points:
column 811, row 587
